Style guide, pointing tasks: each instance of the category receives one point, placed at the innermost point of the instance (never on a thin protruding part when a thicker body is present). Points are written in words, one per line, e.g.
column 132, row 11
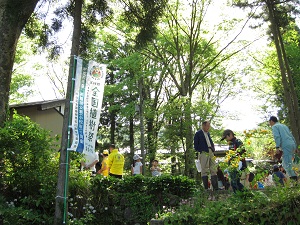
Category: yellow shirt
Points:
column 115, row 162
column 104, row 164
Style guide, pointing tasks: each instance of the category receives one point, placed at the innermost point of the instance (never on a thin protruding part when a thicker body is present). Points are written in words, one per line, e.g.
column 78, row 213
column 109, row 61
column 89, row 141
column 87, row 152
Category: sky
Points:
column 243, row 107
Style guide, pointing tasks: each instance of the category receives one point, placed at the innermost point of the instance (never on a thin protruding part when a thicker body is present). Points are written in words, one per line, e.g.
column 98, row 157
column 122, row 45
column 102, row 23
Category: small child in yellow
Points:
column 104, row 166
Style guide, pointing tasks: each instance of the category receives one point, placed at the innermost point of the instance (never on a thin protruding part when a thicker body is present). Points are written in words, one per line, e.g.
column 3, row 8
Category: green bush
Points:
column 134, row 199
column 28, row 177
column 274, row 206
column 28, row 172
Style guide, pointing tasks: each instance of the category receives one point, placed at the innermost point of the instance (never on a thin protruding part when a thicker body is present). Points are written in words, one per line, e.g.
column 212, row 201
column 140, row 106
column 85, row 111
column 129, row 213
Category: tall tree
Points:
column 278, row 13
column 189, row 56
column 13, row 16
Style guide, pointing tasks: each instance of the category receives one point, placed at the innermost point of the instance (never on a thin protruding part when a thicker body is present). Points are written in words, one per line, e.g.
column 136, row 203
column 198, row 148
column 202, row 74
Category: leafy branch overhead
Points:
column 144, row 15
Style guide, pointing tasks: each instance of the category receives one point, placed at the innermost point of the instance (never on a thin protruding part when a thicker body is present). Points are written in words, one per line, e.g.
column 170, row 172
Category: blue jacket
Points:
column 283, row 137
column 200, row 144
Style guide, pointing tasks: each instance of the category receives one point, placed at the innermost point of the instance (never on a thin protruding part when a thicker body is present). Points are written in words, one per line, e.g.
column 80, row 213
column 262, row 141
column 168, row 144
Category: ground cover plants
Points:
column 275, row 205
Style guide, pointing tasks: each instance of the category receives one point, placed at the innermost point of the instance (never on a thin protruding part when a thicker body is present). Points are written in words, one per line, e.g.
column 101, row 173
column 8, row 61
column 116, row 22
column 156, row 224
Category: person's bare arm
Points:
column 92, row 164
column 104, row 167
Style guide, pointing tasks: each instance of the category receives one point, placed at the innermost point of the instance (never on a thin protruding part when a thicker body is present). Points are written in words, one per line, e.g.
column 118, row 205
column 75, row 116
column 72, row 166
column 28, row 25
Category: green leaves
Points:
column 28, row 170
column 273, row 206
column 123, row 200
column 144, row 15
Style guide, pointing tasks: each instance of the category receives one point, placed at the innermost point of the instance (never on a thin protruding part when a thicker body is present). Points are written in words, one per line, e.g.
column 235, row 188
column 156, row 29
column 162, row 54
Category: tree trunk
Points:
column 112, row 113
column 112, row 126
column 142, row 137
column 173, row 161
column 151, row 140
column 62, row 188
column 14, row 14
column 189, row 137
column 294, row 97
column 131, row 136
column 290, row 98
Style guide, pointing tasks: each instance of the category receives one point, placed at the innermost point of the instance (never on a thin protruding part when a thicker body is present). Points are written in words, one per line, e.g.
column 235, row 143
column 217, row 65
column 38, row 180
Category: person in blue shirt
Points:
column 284, row 140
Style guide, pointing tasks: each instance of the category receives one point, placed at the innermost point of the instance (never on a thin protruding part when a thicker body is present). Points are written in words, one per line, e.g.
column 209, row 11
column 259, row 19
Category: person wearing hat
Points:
column 115, row 162
column 286, row 142
column 137, row 166
column 238, row 178
column 205, row 148
column 104, row 166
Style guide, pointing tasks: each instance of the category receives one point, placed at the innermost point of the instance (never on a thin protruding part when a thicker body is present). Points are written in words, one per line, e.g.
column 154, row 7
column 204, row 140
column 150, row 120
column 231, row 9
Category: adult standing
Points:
column 284, row 140
column 115, row 162
column 89, row 162
column 204, row 146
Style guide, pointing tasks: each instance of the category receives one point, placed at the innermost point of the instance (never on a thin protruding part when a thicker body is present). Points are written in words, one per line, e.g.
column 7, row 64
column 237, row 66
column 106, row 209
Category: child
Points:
column 155, row 170
column 238, row 176
column 137, row 166
column 104, row 167
column 269, row 180
column 278, row 176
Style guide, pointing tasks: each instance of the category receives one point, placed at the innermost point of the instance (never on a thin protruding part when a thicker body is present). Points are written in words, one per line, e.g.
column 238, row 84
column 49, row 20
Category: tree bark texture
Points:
column 142, row 127
column 14, row 14
column 60, row 217
column 189, row 139
column 151, row 140
column 131, row 136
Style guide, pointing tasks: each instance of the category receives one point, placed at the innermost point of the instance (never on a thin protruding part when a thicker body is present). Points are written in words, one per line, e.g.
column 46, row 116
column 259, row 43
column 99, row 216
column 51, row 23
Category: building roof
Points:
column 41, row 105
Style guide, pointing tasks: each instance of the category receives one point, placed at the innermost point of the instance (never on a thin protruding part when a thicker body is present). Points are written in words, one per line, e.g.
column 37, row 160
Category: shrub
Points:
column 28, row 171
column 134, row 199
column 275, row 206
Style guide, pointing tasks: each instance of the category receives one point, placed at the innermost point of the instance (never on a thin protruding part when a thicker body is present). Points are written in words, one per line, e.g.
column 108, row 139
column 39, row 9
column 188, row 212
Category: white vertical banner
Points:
column 87, row 103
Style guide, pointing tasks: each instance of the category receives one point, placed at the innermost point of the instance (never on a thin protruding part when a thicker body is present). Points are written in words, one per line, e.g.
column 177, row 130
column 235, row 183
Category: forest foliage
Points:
column 181, row 67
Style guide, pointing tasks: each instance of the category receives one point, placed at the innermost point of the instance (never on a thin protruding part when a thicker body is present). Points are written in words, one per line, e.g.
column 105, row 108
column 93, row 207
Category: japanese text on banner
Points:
column 87, row 102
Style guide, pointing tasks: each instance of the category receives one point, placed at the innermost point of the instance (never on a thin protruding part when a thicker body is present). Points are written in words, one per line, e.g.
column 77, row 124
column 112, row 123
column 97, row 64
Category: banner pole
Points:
column 69, row 141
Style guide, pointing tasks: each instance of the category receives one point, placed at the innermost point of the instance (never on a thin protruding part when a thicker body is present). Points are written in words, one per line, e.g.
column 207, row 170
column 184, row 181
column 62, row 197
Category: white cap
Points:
column 136, row 157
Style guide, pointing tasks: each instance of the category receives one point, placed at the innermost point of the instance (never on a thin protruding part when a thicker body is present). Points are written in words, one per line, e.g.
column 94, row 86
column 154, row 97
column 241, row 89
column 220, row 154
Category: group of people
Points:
column 113, row 161
column 113, row 164
column 239, row 178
